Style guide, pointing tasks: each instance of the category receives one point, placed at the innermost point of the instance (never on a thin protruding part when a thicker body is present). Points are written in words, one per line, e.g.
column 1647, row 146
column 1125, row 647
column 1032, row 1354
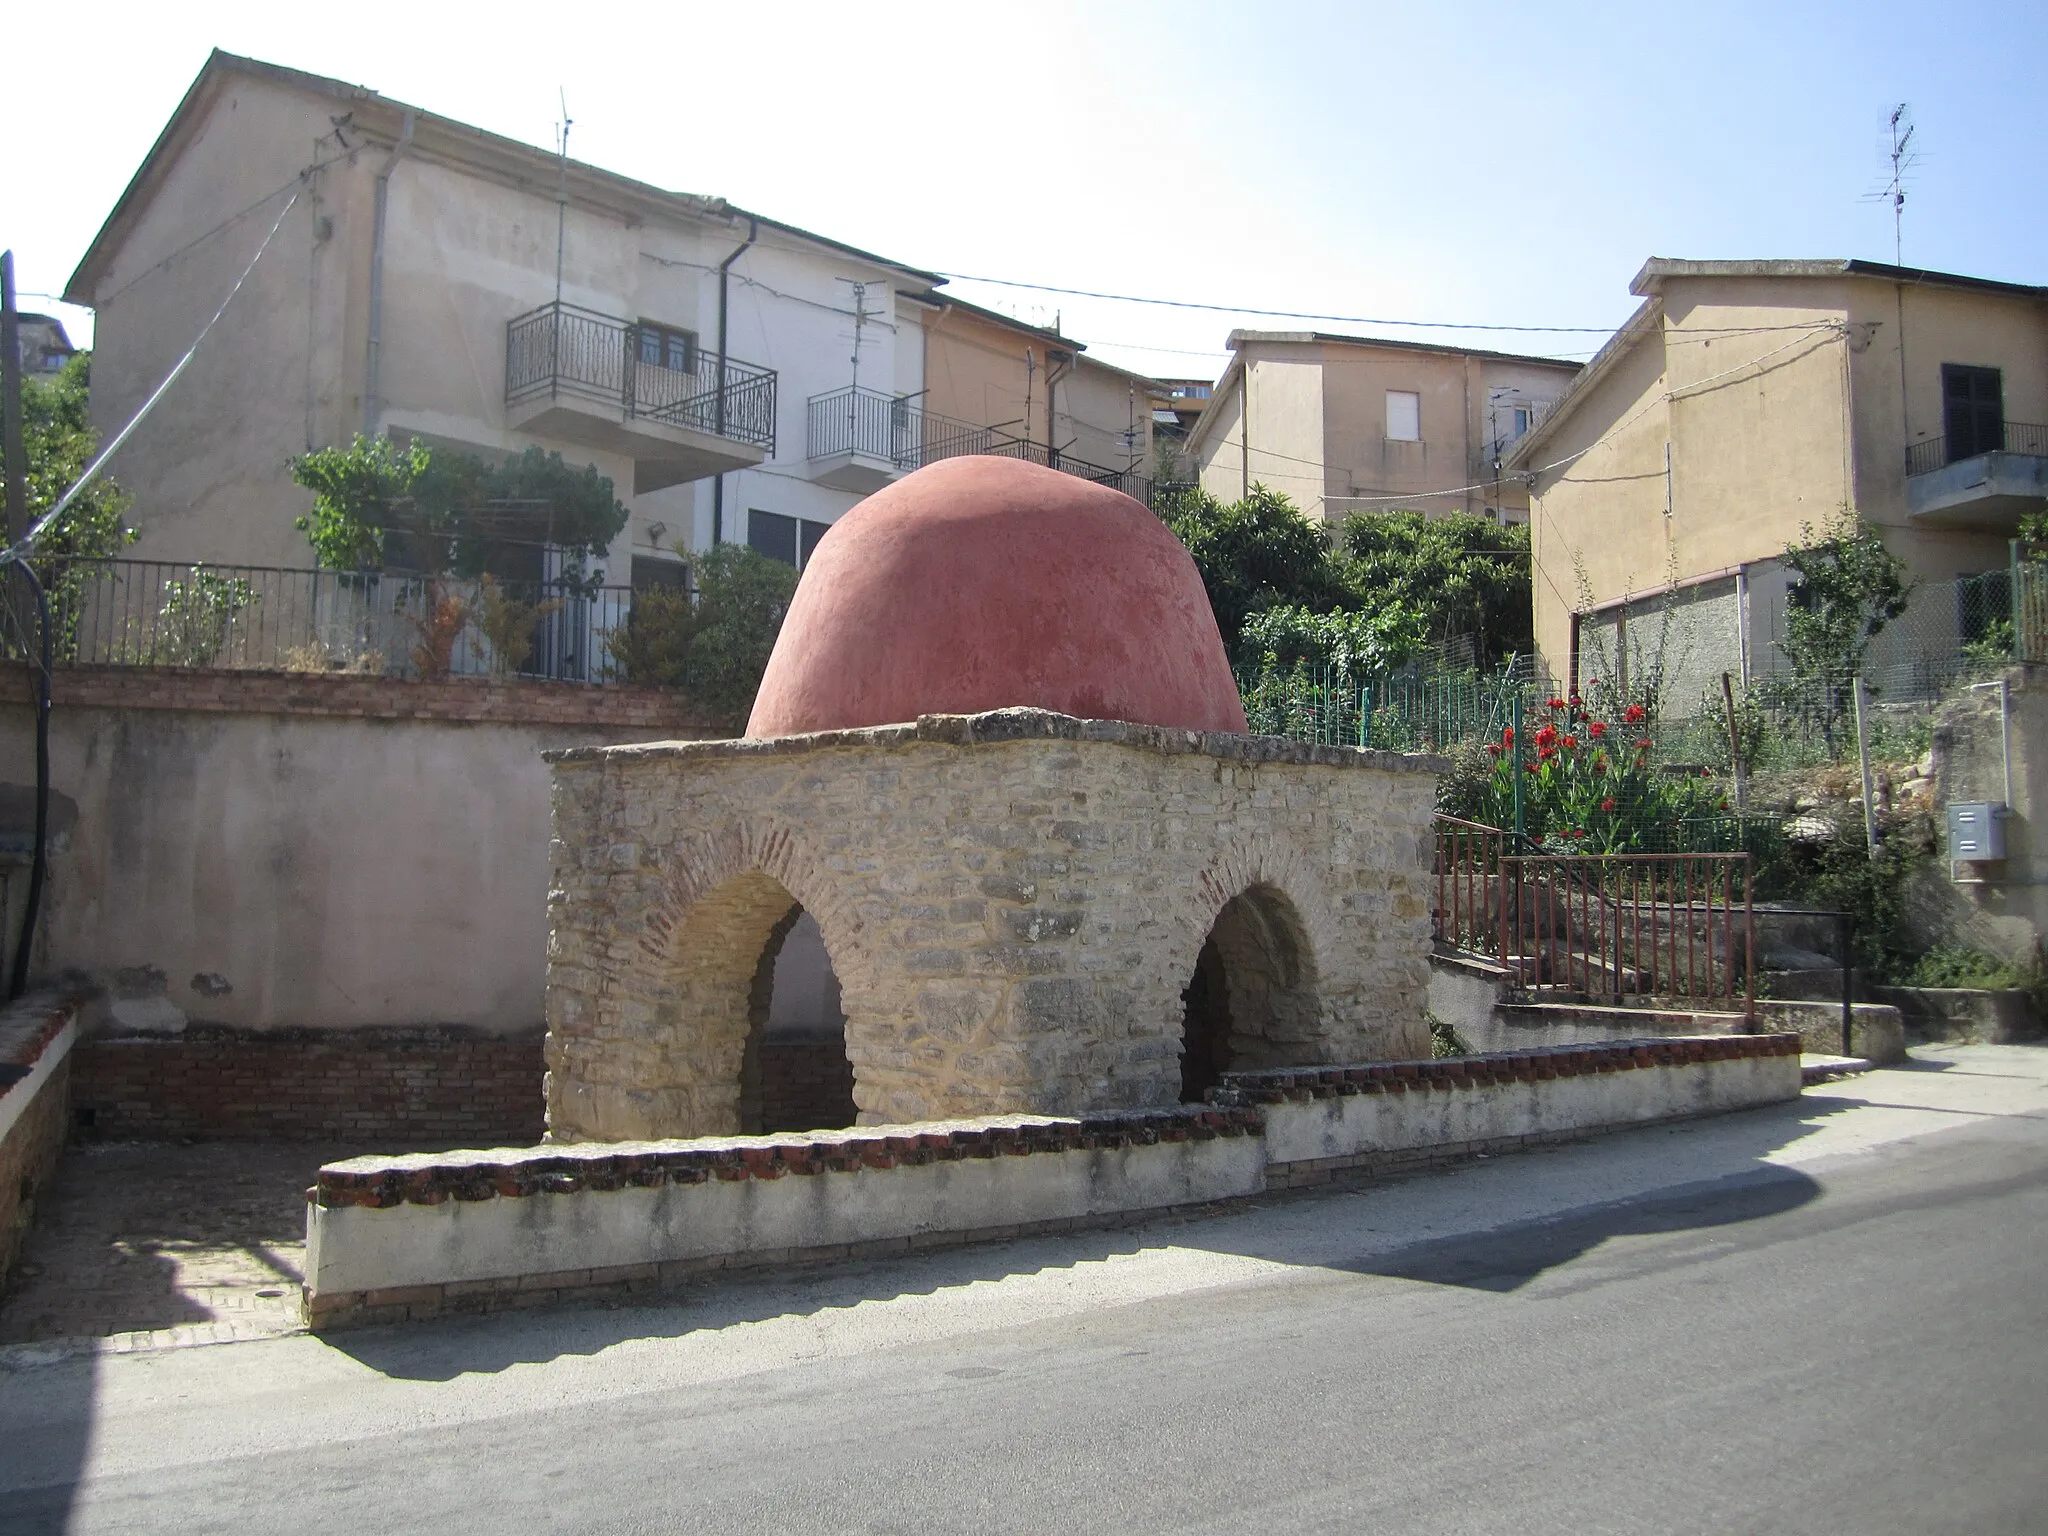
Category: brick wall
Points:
column 445, row 1085
column 475, row 700
column 806, row 1083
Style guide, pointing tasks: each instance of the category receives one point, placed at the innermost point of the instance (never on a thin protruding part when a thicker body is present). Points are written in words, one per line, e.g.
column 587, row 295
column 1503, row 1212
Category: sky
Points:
column 1486, row 164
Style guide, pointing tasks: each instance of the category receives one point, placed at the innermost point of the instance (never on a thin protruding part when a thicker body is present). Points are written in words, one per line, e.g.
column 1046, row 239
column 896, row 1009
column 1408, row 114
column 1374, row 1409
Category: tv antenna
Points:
column 1903, row 158
column 561, row 193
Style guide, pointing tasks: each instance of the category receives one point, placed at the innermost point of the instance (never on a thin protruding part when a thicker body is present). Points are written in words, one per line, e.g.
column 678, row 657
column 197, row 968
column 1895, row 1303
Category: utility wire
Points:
column 27, row 542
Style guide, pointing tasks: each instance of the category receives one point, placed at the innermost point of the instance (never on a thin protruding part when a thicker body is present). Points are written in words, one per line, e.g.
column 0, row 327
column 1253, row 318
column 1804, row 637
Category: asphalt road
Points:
column 1824, row 1317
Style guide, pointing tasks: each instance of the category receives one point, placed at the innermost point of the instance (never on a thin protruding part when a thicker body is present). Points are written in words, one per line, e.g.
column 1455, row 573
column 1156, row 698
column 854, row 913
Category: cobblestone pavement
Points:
column 160, row 1243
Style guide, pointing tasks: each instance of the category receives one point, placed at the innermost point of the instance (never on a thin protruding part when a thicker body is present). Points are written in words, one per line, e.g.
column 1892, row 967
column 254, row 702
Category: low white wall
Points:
column 1416, row 1119
column 451, row 1220
column 396, row 1237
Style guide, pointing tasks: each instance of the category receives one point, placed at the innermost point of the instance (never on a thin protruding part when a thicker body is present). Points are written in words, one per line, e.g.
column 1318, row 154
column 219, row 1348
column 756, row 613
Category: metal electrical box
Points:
column 1976, row 831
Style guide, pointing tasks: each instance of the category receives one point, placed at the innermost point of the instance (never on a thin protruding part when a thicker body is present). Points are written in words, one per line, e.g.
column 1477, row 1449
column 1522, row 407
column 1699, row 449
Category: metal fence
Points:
column 1425, row 707
column 561, row 349
column 171, row 614
column 1939, row 452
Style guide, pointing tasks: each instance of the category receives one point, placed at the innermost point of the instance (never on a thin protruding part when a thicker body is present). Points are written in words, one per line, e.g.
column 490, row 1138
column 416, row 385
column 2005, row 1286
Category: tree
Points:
column 452, row 511
column 1254, row 554
column 58, row 442
column 1847, row 587
column 742, row 598
column 1457, row 575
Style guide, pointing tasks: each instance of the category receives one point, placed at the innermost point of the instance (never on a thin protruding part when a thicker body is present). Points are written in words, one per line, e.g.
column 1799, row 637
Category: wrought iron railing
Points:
column 890, row 429
column 561, row 350
column 156, row 613
column 2019, row 437
column 1620, row 926
column 1468, row 855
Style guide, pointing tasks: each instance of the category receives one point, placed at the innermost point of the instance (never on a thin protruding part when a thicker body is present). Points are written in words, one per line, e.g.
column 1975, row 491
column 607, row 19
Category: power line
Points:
column 1277, row 314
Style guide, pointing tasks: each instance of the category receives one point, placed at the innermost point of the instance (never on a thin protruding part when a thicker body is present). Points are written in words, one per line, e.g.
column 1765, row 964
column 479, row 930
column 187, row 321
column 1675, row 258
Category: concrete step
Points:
column 1877, row 1032
column 1815, row 1068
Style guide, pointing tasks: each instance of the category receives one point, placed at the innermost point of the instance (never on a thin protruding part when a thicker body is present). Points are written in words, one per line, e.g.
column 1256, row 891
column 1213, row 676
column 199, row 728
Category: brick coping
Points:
column 1540, row 1064
column 999, row 726
column 27, row 1027
column 430, row 1178
column 364, row 696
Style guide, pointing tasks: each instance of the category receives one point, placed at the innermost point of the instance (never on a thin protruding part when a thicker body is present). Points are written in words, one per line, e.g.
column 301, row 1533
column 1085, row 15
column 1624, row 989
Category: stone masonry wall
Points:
column 35, row 1076
column 1013, row 903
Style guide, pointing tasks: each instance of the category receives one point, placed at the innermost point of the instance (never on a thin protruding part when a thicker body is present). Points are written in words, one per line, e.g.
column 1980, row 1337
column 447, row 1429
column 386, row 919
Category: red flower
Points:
column 1600, row 762
column 1706, row 773
column 1495, row 748
column 1571, row 741
column 1724, row 805
column 1576, row 701
column 1607, row 804
column 1578, row 831
column 1507, row 737
column 1545, row 754
column 1546, row 736
column 1530, row 767
column 1645, row 744
column 1553, row 703
column 1633, row 714
column 1597, row 729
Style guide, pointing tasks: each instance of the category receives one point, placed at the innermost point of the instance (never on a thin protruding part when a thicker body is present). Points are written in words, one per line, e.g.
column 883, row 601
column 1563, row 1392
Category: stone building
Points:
column 999, row 760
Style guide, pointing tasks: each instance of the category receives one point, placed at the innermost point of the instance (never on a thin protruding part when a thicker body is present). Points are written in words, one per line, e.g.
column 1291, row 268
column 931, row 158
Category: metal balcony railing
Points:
column 562, row 351
column 886, row 427
column 2019, row 437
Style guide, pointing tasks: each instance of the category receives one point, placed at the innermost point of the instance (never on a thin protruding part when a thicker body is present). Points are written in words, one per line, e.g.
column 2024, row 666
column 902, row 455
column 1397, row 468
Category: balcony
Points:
column 861, row 439
column 1986, row 488
column 576, row 376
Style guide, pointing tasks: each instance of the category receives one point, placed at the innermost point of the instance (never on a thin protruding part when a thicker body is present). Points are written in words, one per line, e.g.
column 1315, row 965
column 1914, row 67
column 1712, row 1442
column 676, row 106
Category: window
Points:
column 653, row 574
column 792, row 540
column 1972, row 410
column 1520, row 419
column 1404, row 416
column 663, row 346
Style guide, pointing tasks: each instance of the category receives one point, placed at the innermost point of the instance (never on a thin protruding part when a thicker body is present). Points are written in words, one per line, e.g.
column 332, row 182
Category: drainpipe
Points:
column 1057, row 366
column 373, row 370
column 718, row 407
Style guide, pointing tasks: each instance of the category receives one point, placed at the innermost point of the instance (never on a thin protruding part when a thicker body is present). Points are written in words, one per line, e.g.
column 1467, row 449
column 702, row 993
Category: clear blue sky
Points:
column 1503, row 163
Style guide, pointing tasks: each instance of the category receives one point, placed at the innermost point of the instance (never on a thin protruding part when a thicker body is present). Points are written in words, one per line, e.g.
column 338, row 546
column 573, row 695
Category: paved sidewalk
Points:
column 148, row 1244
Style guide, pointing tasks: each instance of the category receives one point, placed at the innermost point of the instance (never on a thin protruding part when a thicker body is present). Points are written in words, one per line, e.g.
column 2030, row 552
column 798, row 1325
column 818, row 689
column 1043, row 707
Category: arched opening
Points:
column 1251, row 1002
column 794, row 1072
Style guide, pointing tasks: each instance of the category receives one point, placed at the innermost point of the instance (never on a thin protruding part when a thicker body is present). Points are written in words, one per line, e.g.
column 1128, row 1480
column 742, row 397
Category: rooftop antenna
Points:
column 1894, row 191
column 561, row 191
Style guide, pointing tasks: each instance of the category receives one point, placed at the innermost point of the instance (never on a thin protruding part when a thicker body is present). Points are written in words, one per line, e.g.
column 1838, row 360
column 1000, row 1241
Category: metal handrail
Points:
column 2017, row 437
column 563, row 350
column 889, row 428
column 1585, row 917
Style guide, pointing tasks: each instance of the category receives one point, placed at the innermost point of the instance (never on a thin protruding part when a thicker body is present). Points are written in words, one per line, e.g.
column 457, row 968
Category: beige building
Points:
column 1746, row 398
column 1345, row 424
column 1038, row 386
column 737, row 378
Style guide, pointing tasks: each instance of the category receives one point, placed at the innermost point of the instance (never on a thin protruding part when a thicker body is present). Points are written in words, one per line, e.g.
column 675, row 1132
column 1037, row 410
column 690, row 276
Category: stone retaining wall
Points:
column 391, row 1238
column 450, row 1085
column 1013, row 902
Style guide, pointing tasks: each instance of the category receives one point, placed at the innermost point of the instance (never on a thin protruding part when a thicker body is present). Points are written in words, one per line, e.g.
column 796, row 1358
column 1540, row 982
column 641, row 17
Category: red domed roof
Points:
column 983, row 583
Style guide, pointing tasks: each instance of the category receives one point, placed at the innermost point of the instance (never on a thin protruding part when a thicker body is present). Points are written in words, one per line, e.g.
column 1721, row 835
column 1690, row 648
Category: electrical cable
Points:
column 22, row 547
column 17, row 982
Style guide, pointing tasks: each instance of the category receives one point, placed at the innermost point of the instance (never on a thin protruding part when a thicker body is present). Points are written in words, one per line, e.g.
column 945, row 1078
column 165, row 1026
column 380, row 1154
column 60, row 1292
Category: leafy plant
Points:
column 1957, row 965
column 357, row 493
column 508, row 623
column 742, row 597
column 653, row 646
column 1443, row 577
column 447, row 615
column 1357, row 643
column 1848, row 587
column 1588, row 782
column 450, row 512
column 197, row 617
column 1254, row 554
column 58, row 442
